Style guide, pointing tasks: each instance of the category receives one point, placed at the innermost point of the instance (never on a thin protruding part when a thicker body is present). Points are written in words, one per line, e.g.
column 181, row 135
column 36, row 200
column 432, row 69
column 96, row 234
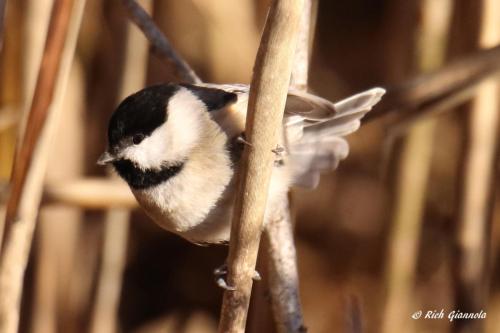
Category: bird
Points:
column 179, row 148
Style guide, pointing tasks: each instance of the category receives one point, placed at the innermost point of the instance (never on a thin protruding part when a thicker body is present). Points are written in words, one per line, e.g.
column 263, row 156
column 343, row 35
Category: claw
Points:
column 223, row 284
column 241, row 139
column 221, row 272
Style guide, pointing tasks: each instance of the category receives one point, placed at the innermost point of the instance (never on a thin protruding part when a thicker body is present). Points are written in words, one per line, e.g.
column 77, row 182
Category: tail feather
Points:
column 318, row 144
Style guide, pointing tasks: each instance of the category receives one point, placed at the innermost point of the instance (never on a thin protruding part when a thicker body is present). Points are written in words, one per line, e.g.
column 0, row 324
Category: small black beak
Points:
column 106, row 158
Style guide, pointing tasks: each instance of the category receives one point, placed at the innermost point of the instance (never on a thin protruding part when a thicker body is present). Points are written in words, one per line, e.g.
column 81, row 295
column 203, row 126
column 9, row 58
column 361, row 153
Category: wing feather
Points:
column 314, row 128
column 322, row 146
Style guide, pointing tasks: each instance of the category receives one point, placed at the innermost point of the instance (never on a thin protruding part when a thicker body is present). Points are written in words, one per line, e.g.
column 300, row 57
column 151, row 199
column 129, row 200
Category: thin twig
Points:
column 160, row 44
column 268, row 92
column 475, row 203
column 31, row 161
column 416, row 97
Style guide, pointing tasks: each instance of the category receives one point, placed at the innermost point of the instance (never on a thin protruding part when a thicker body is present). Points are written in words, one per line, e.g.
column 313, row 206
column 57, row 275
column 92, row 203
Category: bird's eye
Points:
column 137, row 138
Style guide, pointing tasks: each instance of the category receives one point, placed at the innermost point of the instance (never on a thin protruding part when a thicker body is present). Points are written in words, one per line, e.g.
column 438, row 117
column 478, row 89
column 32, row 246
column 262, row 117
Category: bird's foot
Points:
column 241, row 139
column 278, row 151
column 220, row 274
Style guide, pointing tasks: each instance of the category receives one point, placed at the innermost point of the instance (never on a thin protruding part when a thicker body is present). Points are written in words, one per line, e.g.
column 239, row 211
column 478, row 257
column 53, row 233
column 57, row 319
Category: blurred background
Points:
column 401, row 226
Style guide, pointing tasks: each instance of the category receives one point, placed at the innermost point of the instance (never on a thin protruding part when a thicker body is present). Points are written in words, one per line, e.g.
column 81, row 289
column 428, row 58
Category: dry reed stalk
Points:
column 57, row 258
column 278, row 235
column 40, row 106
column 268, row 91
column 37, row 15
column 283, row 273
column 90, row 193
column 413, row 170
column 475, row 206
column 54, row 253
column 32, row 158
column 10, row 97
column 417, row 96
column 117, row 220
column 300, row 71
column 109, row 282
column 161, row 46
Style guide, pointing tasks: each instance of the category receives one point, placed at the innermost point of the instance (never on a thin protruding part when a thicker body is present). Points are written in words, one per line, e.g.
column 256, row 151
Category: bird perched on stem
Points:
column 178, row 146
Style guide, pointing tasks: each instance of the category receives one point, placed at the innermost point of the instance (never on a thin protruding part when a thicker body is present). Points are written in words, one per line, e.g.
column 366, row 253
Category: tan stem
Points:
column 475, row 203
column 267, row 98
column 279, row 241
column 413, row 169
column 31, row 162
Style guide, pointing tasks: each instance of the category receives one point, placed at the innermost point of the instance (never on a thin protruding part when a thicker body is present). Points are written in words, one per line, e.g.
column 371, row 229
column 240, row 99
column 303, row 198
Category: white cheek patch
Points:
column 171, row 142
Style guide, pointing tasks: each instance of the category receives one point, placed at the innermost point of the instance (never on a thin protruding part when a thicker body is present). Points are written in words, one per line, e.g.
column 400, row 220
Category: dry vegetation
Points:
column 410, row 221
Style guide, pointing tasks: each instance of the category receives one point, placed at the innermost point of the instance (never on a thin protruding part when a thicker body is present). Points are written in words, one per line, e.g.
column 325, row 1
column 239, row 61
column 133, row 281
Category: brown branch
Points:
column 266, row 105
column 39, row 110
column 29, row 168
column 417, row 97
column 161, row 47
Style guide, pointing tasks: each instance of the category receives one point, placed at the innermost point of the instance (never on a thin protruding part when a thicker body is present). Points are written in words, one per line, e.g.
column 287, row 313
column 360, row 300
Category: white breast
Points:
column 185, row 203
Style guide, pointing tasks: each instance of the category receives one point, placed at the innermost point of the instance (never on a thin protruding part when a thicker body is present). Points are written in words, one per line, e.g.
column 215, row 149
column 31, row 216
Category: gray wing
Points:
column 314, row 128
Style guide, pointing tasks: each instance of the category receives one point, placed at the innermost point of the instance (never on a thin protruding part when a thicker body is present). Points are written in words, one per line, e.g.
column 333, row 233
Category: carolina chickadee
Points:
column 178, row 147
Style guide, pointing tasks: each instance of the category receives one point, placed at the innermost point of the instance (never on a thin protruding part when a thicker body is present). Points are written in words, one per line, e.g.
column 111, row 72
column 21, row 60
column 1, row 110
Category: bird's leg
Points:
column 220, row 274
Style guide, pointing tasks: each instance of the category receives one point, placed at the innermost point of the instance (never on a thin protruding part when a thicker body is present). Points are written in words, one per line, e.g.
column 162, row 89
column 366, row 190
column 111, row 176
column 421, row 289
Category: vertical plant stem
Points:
column 282, row 258
column 44, row 93
column 30, row 163
column 10, row 92
column 117, row 220
column 413, row 169
column 105, row 311
column 268, row 92
column 477, row 186
column 283, row 273
column 300, row 71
